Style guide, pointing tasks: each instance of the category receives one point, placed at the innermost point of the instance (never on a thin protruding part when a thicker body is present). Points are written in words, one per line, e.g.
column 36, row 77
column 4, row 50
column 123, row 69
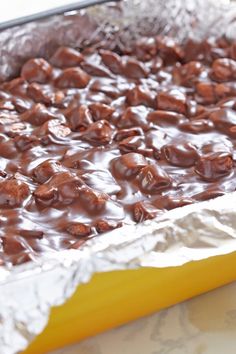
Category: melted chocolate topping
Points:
column 93, row 140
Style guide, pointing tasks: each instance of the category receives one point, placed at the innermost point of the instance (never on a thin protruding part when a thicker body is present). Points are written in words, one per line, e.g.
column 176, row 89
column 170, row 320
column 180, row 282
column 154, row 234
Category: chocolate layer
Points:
column 92, row 140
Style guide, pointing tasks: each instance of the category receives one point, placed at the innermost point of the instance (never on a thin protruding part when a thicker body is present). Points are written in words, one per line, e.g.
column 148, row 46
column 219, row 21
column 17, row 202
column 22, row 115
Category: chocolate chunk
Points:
column 224, row 69
column 13, row 192
column 182, row 155
column 128, row 165
column 144, row 211
column 153, row 179
column 66, row 57
column 72, row 78
column 100, row 132
column 36, row 70
column 214, row 166
column 172, row 100
column 79, row 118
column 101, row 111
column 79, row 229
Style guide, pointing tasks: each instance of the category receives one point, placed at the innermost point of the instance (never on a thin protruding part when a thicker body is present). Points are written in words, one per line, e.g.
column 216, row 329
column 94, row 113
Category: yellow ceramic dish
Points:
column 114, row 298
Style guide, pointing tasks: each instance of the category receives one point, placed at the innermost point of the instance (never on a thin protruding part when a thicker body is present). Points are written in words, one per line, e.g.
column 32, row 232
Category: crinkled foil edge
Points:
column 191, row 233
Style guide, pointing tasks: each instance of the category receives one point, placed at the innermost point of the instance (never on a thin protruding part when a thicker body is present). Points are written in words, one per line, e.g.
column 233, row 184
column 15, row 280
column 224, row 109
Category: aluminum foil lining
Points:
column 193, row 232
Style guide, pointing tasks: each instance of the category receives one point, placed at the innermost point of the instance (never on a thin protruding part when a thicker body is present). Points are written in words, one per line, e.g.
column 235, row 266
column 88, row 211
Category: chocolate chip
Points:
column 72, row 78
column 144, row 210
column 13, row 192
column 65, row 57
column 36, row 70
column 153, row 179
column 180, row 154
column 128, row 165
column 100, row 132
column 172, row 100
column 212, row 167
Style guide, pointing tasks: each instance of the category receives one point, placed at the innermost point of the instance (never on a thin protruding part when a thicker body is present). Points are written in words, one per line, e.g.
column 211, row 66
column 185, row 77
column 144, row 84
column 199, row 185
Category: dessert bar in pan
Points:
column 117, row 156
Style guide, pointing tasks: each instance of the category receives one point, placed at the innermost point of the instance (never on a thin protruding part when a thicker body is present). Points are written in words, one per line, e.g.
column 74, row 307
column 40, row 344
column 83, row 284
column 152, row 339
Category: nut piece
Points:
column 182, row 155
column 212, row 167
column 13, row 192
column 224, row 69
column 165, row 118
column 112, row 60
column 100, row 132
column 65, row 57
column 62, row 188
column 72, row 78
column 187, row 74
column 39, row 114
column 197, row 126
column 45, row 94
column 79, row 118
column 79, row 229
column 52, row 129
column 92, row 200
column 153, row 179
column 126, row 133
column 140, row 96
column 106, row 225
column 134, row 69
column 224, row 120
column 144, row 210
column 172, row 100
column 128, row 165
column 36, row 70
column 134, row 116
column 46, row 170
column 145, row 48
column 101, row 111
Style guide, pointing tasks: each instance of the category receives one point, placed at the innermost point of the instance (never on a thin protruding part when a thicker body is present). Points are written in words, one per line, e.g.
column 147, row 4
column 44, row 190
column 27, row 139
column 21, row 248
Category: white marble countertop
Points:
column 203, row 325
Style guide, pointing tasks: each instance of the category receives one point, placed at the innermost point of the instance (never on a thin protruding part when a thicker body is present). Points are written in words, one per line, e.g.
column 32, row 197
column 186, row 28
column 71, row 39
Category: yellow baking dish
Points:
column 114, row 298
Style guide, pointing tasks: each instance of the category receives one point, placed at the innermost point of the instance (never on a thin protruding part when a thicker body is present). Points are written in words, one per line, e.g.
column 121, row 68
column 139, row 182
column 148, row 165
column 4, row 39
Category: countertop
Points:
column 203, row 325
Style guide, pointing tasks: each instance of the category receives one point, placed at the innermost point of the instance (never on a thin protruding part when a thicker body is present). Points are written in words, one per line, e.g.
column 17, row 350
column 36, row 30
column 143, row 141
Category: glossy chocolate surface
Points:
column 92, row 140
